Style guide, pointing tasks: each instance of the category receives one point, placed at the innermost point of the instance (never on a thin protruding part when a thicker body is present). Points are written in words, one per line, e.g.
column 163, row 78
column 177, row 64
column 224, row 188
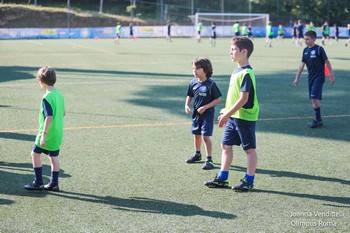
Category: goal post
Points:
column 225, row 20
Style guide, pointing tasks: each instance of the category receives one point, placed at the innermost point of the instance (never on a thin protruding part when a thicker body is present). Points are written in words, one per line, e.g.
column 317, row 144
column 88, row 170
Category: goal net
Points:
column 224, row 21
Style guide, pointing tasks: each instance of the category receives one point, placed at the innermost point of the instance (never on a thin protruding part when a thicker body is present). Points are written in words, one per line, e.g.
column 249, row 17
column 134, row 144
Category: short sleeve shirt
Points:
column 315, row 58
column 203, row 93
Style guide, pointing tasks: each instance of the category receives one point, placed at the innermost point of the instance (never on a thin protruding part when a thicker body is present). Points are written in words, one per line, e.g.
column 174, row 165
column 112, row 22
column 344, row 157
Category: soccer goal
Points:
column 224, row 21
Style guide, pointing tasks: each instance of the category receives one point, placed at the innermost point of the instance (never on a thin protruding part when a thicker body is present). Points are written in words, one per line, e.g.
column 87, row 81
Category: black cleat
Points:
column 244, row 186
column 34, row 186
column 52, row 187
column 315, row 124
column 208, row 165
column 194, row 158
column 216, row 183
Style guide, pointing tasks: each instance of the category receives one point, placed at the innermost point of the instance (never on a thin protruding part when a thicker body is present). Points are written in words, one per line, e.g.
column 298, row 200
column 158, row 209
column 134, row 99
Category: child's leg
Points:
column 252, row 160
column 315, row 103
column 317, row 109
column 37, row 166
column 197, row 143
column 226, row 160
column 208, row 145
column 55, row 168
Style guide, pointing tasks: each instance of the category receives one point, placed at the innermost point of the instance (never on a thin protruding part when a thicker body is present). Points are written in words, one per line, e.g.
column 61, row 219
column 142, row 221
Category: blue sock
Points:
column 54, row 177
column 223, row 175
column 318, row 113
column 38, row 175
column 198, row 152
column 249, row 178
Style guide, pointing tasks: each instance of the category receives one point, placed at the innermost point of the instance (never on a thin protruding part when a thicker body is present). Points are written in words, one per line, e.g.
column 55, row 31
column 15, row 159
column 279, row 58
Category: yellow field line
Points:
column 157, row 124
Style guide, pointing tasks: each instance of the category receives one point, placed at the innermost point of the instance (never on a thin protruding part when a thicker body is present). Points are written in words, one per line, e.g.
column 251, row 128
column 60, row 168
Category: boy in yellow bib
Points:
column 239, row 117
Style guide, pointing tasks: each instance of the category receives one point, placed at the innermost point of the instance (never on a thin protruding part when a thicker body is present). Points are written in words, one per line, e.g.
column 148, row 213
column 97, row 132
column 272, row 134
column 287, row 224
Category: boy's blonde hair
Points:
column 47, row 75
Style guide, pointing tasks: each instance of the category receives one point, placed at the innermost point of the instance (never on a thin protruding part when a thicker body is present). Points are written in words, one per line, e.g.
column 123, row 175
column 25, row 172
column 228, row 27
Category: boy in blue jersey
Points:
column 315, row 58
column 239, row 117
column 294, row 32
column 348, row 41
column 206, row 95
column 300, row 33
column 49, row 137
column 168, row 35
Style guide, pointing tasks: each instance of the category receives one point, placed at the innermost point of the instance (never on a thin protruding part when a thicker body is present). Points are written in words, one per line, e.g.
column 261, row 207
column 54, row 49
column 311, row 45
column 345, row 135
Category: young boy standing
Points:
column 239, row 117
column 49, row 137
column 315, row 59
column 206, row 95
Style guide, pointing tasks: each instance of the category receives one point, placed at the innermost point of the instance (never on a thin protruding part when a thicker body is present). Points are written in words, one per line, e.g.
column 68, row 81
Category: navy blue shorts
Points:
column 39, row 150
column 203, row 125
column 239, row 132
column 315, row 89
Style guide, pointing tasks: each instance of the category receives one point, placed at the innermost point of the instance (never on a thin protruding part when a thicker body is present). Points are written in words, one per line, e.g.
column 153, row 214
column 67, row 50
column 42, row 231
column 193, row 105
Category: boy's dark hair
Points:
column 243, row 42
column 205, row 64
column 312, row 34
column 47, row 75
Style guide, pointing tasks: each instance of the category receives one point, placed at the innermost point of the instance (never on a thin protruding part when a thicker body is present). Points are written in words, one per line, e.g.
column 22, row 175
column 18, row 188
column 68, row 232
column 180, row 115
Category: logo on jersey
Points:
column 203, row 91
column 313, row 54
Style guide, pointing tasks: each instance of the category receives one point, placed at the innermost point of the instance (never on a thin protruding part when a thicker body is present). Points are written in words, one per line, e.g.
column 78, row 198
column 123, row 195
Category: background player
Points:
column 315, row 58
column 199, row 31
column 168, row 36
column 118, row 30
column 213, row 35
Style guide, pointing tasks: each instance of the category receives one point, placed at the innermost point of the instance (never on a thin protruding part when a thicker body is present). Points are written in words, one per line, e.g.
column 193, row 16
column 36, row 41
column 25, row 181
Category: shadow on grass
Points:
column 340, row 200
column 6, row 202
column 293, row 175
column 14, row 176
column 17, row 136
column 12, row 73
column 145, row 205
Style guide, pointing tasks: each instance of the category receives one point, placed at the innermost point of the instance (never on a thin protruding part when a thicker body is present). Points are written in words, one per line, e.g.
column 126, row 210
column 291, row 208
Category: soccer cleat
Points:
column 208, row 165
column 194, row 158
column 216, row 183
column 315, row 124
column 33, row 186
column 52, row 187
column 244, row 186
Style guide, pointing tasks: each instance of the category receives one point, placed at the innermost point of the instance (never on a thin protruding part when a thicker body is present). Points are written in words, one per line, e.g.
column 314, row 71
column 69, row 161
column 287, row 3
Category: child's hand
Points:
column 201, row 110
column 332, row 79
column 188, row 110
column 223, row 118
column 295, row 83
column 42, row 141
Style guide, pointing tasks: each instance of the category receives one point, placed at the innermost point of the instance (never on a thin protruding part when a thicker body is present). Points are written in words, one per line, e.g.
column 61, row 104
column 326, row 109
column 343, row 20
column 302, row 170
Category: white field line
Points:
column 35, row 42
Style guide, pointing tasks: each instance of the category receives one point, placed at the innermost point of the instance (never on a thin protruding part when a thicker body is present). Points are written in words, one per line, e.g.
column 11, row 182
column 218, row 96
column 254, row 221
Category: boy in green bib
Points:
column 239, row 117
column 50, row 135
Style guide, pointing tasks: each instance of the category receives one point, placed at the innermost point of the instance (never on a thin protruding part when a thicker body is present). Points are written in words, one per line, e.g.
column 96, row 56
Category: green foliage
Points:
column 178, row 10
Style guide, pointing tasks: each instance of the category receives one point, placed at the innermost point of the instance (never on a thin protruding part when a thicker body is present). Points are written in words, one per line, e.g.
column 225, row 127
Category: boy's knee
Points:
column 225, row 147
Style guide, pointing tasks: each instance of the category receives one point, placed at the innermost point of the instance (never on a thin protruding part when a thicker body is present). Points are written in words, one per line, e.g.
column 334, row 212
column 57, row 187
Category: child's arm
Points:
column 202, row 109
column 331, row 75
column 223, row 118
column 187, row 105
column 47, row 124
column 300, row 69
